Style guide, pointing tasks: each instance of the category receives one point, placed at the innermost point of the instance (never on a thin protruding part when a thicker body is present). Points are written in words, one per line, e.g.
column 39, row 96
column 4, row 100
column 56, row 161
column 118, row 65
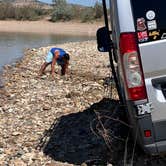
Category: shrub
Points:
column 6, row 11
column 62, row 11
column 98, row 10
column 26, row 13
column 87, row 15
column 64, row 14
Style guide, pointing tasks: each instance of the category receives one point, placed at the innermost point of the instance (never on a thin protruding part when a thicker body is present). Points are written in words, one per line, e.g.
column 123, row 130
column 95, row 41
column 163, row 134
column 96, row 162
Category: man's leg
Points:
column 63, row 70
column 48, row 60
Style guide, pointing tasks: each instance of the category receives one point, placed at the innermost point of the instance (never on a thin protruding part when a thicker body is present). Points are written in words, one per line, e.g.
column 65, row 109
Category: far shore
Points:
column 46, row 27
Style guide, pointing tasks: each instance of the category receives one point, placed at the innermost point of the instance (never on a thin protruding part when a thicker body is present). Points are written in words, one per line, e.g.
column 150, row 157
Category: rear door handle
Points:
column 158, row 82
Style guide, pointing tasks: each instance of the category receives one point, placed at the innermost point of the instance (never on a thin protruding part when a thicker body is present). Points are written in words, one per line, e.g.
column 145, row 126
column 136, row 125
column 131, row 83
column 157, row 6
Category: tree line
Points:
column 60, row 11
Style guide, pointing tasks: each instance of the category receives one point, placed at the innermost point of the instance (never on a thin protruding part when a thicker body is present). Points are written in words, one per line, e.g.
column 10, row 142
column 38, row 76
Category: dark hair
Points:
column 67, row 57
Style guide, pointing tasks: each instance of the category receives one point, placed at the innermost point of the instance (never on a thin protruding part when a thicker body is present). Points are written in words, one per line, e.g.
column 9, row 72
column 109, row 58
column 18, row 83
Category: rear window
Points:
column 150, row 19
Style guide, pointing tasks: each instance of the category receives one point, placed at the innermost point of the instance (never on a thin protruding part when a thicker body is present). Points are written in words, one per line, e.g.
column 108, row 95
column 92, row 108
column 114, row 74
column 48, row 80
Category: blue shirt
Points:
column 61, row 52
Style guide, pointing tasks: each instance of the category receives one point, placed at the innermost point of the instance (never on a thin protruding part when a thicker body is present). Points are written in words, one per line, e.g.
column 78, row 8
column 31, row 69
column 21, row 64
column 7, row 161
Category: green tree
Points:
column 98, row 10
column 62, row 11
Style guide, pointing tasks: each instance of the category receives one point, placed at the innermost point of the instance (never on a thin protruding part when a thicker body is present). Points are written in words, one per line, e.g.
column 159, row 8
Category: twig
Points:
column 132, row 158
column 125, row 152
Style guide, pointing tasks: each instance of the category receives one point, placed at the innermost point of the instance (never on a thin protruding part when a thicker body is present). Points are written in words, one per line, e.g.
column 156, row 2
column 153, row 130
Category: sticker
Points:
column 154, row 34
column 152, row 25
column 163, row 36
column 142, row 36
column 141, row 26
column 150, row 15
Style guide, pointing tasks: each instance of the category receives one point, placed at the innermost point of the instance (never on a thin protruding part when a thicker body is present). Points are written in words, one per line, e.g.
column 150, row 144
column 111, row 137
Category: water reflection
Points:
column 12, row 45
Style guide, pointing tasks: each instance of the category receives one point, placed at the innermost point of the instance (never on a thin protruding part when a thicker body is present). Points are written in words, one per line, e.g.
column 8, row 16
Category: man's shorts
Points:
column 49, row 58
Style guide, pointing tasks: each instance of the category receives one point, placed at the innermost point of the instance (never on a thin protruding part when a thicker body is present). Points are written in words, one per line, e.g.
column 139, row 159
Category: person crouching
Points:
column 56, row 55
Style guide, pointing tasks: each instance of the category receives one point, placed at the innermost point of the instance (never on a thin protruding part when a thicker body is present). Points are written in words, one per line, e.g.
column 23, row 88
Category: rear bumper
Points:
column 156, row 148
column 156, row 143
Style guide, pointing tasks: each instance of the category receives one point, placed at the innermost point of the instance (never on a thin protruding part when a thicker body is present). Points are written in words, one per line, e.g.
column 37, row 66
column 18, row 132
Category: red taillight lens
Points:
column 127, row 43
column 147, row 133
column 132, row 68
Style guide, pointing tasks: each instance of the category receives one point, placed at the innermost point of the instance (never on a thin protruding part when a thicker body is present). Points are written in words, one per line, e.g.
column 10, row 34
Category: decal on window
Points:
column 142, row 36
column 152, row 25
column 154, row 34
column 141, row 26
column 150, row 15
column 163, row 36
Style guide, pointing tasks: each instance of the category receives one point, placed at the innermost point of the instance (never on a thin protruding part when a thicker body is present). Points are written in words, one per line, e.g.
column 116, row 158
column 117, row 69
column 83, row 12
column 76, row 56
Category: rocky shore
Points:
column 46, row 122
column 68, row 121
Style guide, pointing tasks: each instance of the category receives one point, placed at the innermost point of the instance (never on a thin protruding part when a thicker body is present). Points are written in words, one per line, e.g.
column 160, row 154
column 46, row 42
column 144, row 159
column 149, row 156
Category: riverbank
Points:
column 46, row 27
column 47, row 122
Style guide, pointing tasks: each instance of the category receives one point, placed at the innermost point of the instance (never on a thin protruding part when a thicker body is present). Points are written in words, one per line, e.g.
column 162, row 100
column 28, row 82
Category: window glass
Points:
column 150, row 19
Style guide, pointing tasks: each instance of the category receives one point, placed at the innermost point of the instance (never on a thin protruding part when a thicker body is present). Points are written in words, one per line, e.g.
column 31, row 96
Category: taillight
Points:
column 132, row 68
column 147, row 133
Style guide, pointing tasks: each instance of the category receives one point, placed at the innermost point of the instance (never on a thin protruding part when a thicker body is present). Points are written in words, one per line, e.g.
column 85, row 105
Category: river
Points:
column 12, row 45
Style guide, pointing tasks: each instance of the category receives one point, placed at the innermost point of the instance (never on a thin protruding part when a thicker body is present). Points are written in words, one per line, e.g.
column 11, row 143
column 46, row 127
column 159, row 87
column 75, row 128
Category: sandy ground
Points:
column 45, row 27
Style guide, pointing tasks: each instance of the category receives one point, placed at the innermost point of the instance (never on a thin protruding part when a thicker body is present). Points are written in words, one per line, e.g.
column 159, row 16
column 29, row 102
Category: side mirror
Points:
column 104, row 42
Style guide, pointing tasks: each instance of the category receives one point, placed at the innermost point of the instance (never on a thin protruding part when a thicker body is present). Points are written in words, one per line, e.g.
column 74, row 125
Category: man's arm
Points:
column 55, row 57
